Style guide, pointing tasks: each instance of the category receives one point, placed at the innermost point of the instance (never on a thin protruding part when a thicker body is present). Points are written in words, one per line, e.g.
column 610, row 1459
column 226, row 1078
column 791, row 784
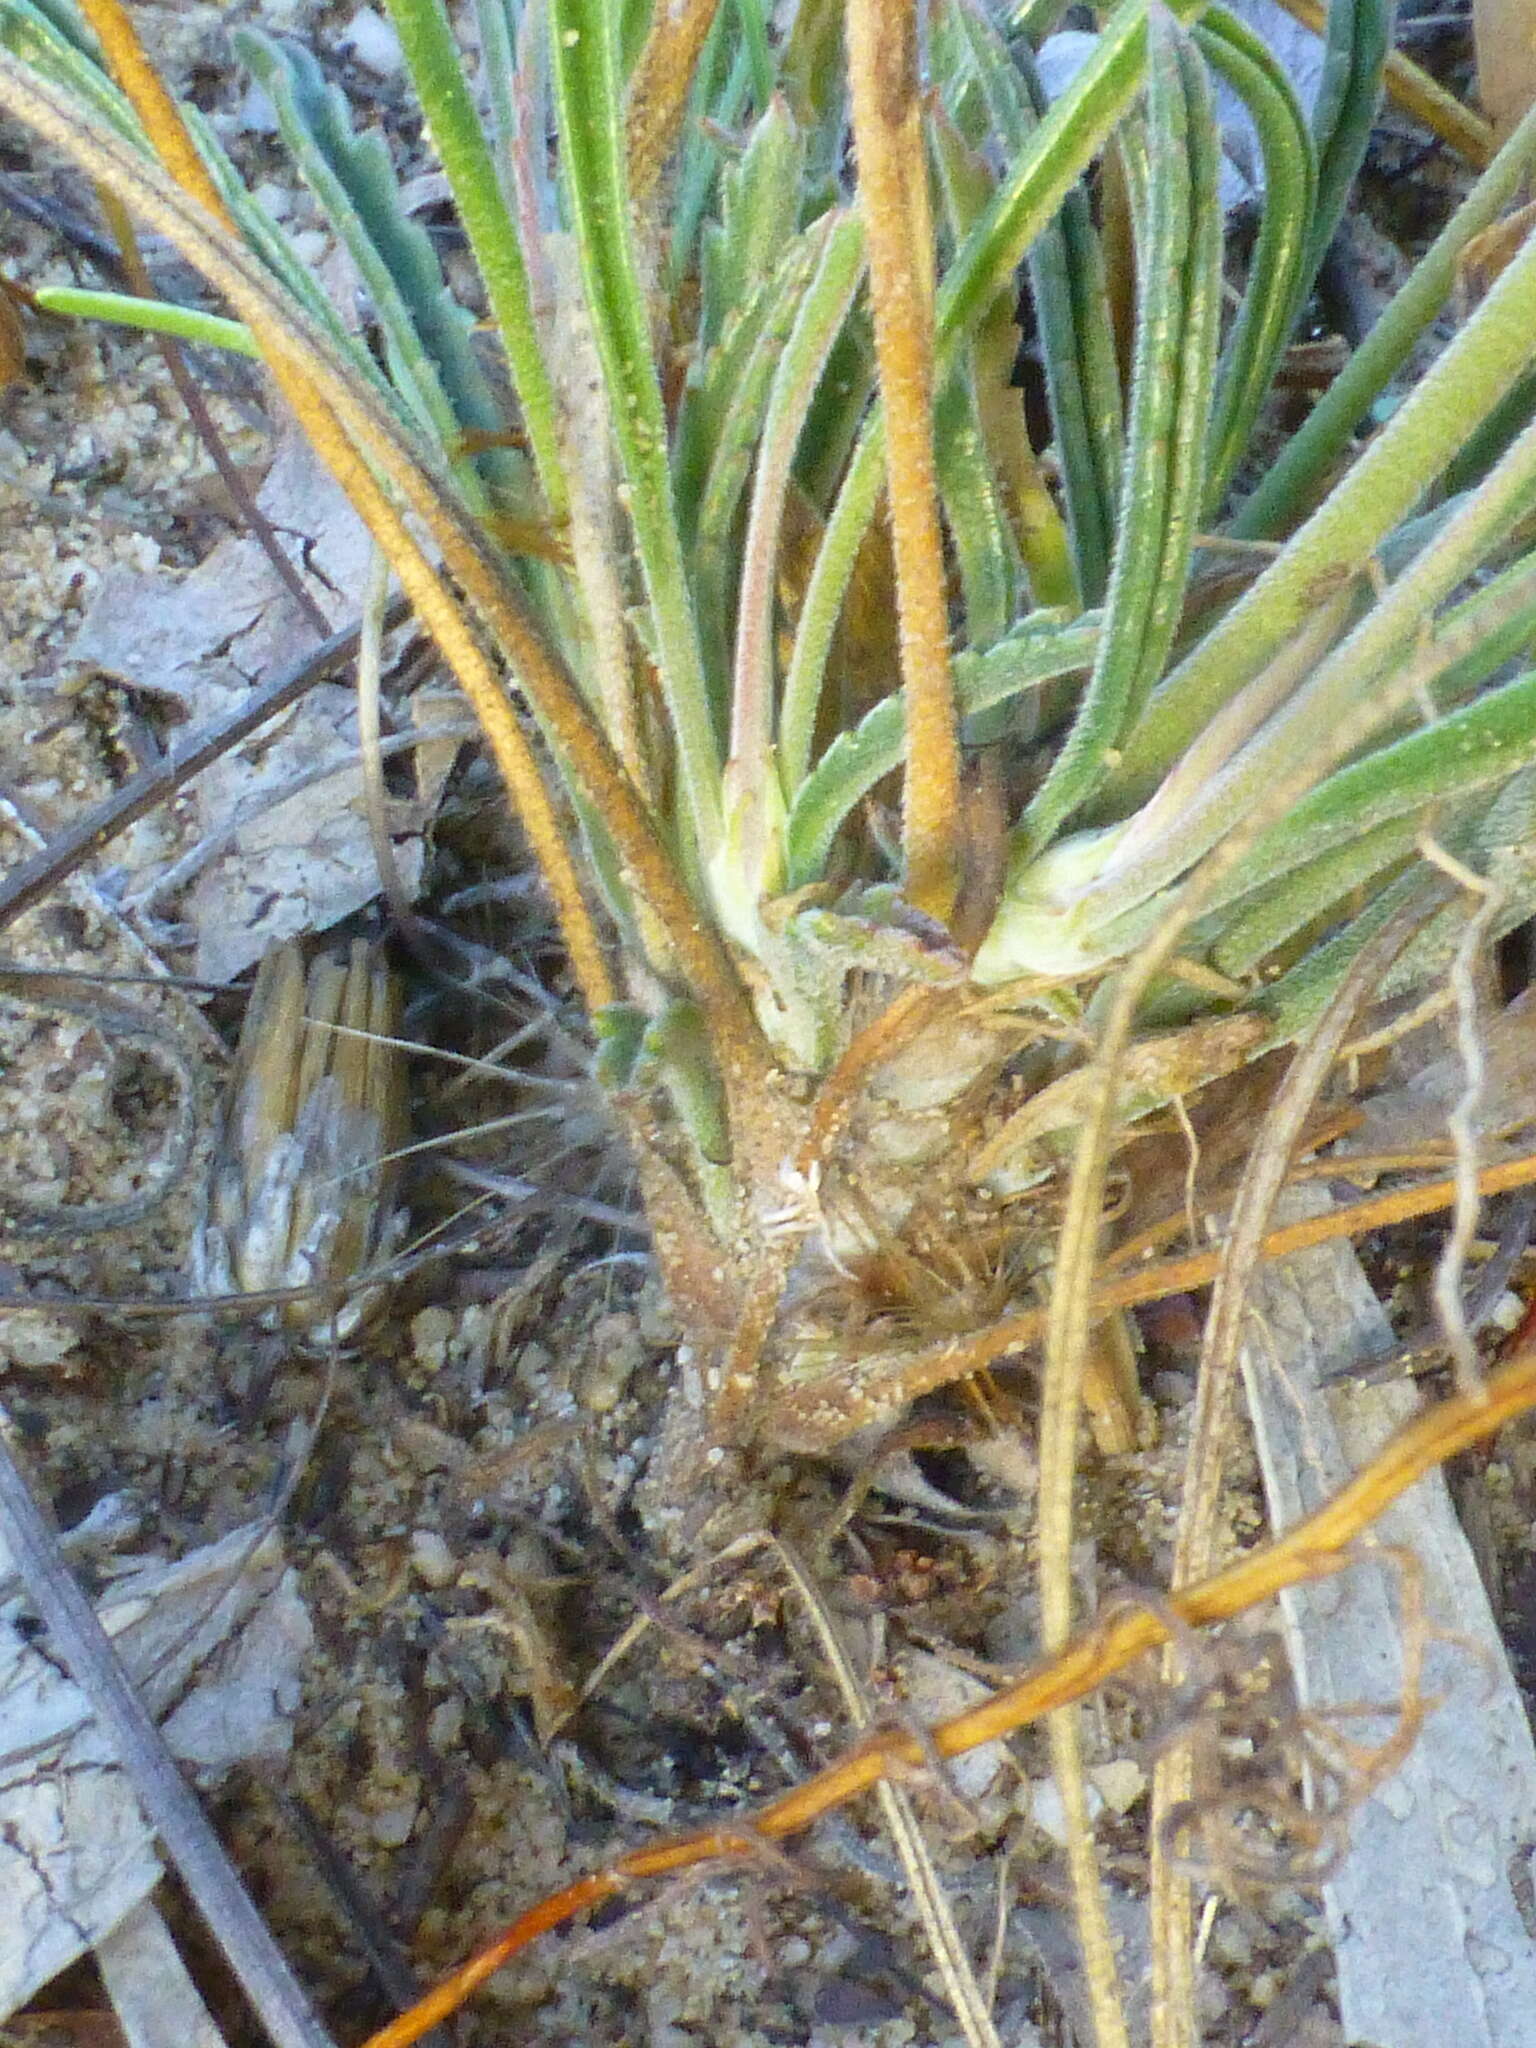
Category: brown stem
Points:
column 659, row 88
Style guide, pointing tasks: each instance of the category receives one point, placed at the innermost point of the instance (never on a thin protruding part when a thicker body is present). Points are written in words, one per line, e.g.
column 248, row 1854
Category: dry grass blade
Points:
column 965, row 1994
column 1461, row 1123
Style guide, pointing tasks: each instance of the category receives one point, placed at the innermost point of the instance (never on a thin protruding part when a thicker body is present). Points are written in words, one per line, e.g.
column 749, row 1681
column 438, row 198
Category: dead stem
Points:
column 893, row 199
column 659, row 88
column 1461, row 1122
column 940, row 1365
column 1314, row 1548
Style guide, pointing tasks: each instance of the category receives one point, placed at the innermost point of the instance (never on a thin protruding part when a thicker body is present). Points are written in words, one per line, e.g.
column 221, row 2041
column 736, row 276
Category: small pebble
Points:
column 434, row 1562
column 445, row 1726
column 391, row 1826
column 35, row 1340
column 1043, row 1804
column 431, row 1334
column 1121, row 1783
column 373, row 42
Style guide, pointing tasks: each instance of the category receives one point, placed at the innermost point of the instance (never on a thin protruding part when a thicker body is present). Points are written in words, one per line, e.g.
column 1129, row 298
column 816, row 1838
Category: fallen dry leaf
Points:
column 282, row 853
column 216, row 1643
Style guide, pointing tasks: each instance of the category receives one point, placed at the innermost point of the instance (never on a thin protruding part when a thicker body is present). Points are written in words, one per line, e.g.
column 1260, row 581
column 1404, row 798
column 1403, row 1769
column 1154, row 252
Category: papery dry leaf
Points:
column 1504, row 38
column 302, row 1188
column 279, row 865
column 216, row 1644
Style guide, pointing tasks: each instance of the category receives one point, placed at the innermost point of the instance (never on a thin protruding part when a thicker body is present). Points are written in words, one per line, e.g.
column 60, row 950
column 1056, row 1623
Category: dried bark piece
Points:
column 1430, row 1912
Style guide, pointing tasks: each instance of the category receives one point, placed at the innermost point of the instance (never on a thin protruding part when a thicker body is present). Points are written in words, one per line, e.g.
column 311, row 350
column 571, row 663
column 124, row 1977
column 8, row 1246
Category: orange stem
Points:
column 159, row 116
column 790, row 1416
column 893, row 200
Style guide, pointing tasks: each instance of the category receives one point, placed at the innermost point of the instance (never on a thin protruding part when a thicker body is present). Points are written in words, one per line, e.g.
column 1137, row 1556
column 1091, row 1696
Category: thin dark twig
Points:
column 34, row 879
column 385, row 1957
column 75, row 229
column 211, row 1879
column 1425, row 1345
column 247, row 511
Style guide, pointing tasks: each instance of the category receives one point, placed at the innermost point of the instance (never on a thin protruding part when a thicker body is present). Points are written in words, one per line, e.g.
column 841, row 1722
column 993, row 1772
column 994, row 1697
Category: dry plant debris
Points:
column 216, row 1642
column 441, row 1633
column 1429, row 1900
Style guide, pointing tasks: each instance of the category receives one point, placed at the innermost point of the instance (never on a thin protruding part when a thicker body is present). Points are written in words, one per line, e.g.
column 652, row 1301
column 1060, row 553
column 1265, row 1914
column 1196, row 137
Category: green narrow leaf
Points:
column 1070, row 308
column 184, row 323
column 1355, row 46
column 1276, row 277
column 1289, row 484
column 427, row 333
column 437, row 71
column 584, row 61
column 1389, row 659
column 1254, row 929
column 1173, row 165
column 1037, row 651
column 760, row 198
column 1393, row 475
column 743, row 384
column 1499, row 841
column 712, row 106
column 1467, row 750
column 969, row 487
column 1029, row 196
column 823, row 306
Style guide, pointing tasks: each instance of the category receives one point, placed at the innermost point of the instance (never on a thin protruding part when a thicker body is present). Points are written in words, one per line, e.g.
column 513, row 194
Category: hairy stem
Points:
column 893, row 198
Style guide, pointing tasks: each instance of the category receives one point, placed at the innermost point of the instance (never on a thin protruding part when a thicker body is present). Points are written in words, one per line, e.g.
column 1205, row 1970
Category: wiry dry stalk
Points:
column 1171, row 1902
